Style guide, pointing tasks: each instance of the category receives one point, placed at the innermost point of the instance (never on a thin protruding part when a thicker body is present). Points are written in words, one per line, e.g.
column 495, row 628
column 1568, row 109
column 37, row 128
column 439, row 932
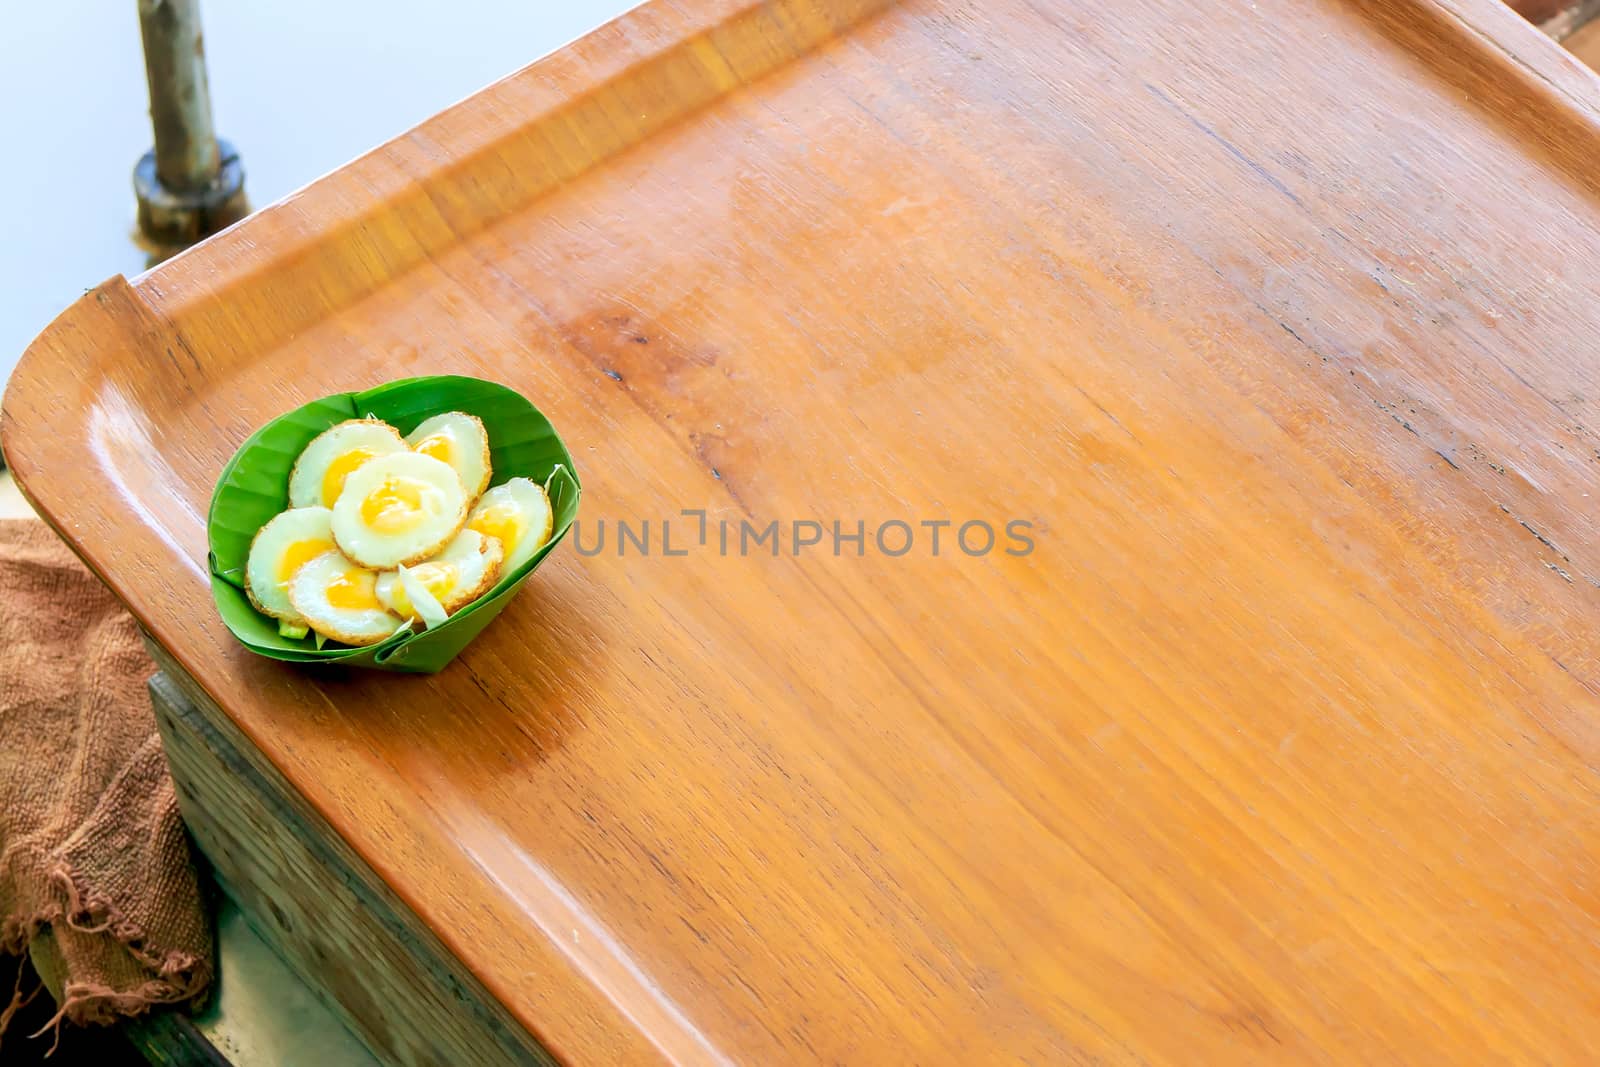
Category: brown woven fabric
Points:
column 95, row 872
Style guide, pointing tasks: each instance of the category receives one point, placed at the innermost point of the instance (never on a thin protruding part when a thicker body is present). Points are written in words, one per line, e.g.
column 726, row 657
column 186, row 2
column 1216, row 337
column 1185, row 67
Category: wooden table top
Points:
column 1277, row 323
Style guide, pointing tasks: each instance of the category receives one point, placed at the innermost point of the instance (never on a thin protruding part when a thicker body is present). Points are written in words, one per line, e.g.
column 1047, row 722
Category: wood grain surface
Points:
column 1276, row 320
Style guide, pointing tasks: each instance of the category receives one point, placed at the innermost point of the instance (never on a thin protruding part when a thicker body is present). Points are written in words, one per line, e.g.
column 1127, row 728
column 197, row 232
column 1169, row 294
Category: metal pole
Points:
column 191, row 184
column 180, row 100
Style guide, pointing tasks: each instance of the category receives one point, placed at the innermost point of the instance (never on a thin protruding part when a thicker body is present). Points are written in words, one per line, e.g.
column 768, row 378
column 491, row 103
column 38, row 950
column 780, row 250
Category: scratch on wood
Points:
column 1543, row 540
column 1261, row 172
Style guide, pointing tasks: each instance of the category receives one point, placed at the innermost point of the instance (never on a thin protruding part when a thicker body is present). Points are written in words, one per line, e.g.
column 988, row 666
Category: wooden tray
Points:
column 1276, row 321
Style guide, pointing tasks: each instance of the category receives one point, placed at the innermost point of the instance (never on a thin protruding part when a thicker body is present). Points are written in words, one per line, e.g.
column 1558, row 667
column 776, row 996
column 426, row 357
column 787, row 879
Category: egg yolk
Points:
column 399, row 505
column 339, row 470
column 437, row 445
column 436, row 578
column 354, row 591
column 501, row 521
column 297, row 555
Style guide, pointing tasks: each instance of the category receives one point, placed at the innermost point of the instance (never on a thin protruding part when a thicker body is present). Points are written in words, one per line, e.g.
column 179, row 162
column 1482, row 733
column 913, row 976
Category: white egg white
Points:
column 397, row 510
column 333, row 455
column 338, row 599
column 287, row 542
column 467, row 568
column 461, row 441
column 518, row 515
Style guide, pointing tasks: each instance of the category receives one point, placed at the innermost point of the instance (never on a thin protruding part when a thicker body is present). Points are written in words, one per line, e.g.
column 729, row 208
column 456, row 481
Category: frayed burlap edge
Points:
column 175, row 977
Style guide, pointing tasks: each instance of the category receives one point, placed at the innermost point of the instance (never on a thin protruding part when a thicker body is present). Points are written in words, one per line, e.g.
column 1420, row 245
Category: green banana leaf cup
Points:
column 254, row 487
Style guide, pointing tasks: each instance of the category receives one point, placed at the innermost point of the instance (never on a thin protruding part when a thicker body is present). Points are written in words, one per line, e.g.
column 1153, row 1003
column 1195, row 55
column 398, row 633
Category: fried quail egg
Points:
column 284, row 545
column 518, row 515
column 463, row 572
column 338, row 599
column 320, row 472
column 459, row 440
column 398, row 509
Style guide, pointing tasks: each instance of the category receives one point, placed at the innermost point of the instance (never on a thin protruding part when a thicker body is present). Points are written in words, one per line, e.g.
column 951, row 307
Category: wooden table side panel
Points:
column 342, row 930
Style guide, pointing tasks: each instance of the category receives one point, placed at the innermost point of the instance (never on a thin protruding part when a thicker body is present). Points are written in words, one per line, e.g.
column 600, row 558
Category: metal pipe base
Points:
column 180, row 217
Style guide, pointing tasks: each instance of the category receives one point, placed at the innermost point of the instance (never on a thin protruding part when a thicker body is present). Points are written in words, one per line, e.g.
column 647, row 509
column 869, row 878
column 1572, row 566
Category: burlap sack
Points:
column 95, row 872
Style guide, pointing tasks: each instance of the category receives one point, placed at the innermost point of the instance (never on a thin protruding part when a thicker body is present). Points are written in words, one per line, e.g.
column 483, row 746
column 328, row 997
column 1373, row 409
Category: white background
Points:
column 299, row 87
